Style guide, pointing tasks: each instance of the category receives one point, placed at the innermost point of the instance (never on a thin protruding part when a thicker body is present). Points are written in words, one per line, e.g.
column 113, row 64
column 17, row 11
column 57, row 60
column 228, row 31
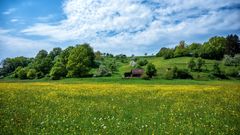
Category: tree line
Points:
column 79, row 60
column 70, row 62
column 215, row 48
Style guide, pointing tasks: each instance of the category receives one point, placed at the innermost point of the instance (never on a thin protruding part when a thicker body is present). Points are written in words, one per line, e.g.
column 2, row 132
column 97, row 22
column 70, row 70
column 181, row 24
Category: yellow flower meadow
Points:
column 93, row 108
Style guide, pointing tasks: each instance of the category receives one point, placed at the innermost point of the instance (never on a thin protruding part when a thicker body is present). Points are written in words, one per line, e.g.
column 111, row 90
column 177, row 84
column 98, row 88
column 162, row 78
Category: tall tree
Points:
column 42, row 63
column 151, row 70
column 10, row 64
column 191, row 64
column 80, row 60
column 181, row 50
column 55, row 52
column 214, row 48
column 232, row 45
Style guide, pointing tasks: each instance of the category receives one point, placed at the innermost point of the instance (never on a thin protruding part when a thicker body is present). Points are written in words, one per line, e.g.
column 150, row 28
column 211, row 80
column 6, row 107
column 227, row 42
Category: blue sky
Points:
column 113, row 26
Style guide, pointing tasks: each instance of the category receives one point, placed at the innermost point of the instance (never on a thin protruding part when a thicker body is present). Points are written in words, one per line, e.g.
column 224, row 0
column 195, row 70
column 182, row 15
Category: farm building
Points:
column 134, row 73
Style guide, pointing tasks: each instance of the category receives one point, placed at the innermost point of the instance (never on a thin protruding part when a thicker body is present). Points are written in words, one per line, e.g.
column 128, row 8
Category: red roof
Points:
column 137, row 71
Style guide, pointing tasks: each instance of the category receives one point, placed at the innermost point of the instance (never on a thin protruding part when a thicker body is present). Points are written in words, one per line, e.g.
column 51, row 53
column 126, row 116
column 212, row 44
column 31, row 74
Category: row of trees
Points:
column 72, row 62
column 215, row 48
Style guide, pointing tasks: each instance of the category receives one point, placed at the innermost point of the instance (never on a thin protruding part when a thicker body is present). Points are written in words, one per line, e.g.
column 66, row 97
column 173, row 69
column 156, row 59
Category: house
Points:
column 134, row 73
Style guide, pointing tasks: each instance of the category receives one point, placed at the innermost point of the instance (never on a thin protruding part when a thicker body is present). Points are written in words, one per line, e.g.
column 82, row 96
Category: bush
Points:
column 228, row 61
column 15, row 73
column 22, row 73
column 176, row 73
column 39, row 75
column 103, row 71
column 232, row 61
column 183, row 74
column 31, row 74
column 58, row 71
column 216, row 72
column 169, row 75
column 151, row 70
column 168, row 54
column 191, row 64
column 232, row 72
column 199, row 64
column 145, row 77
column 142, row 62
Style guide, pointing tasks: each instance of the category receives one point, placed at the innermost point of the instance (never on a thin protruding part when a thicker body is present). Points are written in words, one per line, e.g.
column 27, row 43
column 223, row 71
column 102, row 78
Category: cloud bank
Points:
column 139, row 26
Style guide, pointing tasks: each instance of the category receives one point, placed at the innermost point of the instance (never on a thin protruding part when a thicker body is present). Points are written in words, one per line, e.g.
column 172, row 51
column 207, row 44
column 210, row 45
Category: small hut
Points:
column 137, row 73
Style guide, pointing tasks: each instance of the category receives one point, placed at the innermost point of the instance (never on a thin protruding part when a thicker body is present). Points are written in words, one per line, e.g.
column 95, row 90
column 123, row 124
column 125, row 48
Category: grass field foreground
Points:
column 93, row 108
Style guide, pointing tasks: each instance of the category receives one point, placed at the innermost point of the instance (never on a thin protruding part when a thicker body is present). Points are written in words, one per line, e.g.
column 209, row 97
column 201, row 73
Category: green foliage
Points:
column 63, row 57
column 181, row 50
column 15, row 73
column 10, row 64
column 103, row 70
column 194, row 49
column 232, row 45
column 142, row 62
column 168, row 54
column 31, row 74
column 199, row 64
column 80, row 61
column 122, row 58
column 170, row 74
column 98, row 56
column 42, row 63
column 145, row 77
column 58, row 70
column 54, row 53
column 232, row 72
column 191, row 64
column 183, row 74
column 176, row 73
column 22, row 73
column 162, row 52
column 232, row 61
column 214, row 48
column 216, row 72
column 112, row 65
column 39, row 74
column 151, row 70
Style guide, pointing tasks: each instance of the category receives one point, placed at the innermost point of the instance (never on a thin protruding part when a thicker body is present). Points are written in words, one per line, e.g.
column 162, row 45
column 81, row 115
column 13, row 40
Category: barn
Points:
column 136, row 73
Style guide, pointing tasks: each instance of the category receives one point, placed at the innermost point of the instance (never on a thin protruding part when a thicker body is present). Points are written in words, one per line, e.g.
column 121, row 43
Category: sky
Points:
column 112, row 26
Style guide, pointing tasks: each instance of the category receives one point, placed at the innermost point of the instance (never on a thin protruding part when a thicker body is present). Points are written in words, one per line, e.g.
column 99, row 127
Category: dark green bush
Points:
column 142, row 62
column 151, row 70
column 39, row 75
column 169, row 75
column 232, row 72
column 22, row 73
column 176, row 73
column 145, row 77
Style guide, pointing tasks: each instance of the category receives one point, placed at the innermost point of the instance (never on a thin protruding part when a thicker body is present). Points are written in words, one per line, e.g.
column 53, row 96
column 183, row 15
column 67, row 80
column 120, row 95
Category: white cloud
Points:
column 122, row 26
column 14, row 20
column 9, row 11
column 12, row 46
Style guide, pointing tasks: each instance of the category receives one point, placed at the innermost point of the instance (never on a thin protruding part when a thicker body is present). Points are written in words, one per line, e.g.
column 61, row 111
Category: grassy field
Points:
column 180, row 62
column 102, row 106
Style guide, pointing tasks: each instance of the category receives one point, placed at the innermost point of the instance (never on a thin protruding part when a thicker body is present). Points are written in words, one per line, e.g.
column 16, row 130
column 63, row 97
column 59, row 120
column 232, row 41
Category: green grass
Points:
column 75, row 106
column 112, row 105
column 180, row 62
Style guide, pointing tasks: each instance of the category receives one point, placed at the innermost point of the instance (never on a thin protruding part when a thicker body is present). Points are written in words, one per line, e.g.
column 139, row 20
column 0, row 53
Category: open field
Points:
column 94, row 107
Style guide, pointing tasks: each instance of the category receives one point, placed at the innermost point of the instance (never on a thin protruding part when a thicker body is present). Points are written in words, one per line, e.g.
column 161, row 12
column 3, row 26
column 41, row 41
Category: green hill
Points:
column 181, row 63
